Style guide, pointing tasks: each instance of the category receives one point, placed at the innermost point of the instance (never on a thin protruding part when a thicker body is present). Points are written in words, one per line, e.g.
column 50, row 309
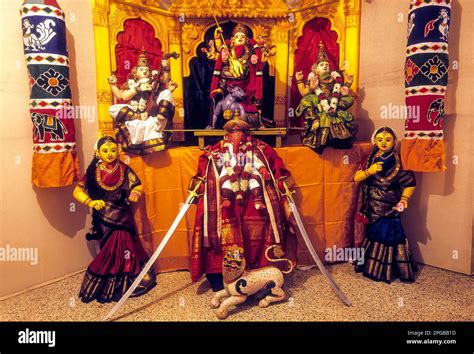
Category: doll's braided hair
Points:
column 92, row 187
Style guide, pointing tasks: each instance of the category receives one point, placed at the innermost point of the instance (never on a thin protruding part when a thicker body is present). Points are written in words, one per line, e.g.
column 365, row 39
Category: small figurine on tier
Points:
column 386, row 191
column 108, row 187
column 139, row 124
column 239, row 65
column 326, row 97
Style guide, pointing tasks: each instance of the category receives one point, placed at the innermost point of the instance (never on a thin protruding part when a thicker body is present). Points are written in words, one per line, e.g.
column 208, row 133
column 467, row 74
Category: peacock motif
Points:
column 34, row 42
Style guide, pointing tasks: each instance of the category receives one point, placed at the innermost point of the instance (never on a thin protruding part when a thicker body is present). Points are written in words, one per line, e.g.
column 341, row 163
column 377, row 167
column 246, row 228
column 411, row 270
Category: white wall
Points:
column 31, row 217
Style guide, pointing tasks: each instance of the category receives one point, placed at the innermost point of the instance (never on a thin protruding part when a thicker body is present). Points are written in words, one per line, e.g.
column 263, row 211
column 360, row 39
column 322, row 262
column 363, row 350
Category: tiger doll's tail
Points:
column 276, row 260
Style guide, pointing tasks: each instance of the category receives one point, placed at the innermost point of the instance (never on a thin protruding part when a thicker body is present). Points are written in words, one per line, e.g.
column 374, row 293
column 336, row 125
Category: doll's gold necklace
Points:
column 102, row 184
column 112, row 170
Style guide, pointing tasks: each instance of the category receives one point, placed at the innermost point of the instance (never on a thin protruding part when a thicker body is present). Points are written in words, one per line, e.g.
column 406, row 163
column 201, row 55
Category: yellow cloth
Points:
column 325, row 196
column 423, row 155
column 58, row 169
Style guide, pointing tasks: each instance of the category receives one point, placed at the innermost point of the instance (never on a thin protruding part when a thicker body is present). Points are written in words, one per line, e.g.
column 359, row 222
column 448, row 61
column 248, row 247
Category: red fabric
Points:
column 51, row 3
column 111, row 179
column 63, row 117
column 137, row 34
column 215, row 78
column 111, row 259
column 315, row 31
column 420, row 106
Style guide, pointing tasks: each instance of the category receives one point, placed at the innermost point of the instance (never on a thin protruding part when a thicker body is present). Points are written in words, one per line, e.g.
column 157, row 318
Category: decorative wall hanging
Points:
column 426, row 78
column 55, row 163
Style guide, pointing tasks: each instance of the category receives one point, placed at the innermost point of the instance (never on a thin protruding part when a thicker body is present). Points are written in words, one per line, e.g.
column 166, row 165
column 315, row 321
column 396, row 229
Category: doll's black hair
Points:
column 92, row 187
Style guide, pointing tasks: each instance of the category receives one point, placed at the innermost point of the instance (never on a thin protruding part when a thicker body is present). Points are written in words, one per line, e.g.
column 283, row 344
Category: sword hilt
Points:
column 193, row 189
column 288, row 193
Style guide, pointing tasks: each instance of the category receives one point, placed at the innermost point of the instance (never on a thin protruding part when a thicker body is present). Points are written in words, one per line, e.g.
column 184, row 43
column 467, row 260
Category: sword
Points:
column 192, row 195
column 304, row 234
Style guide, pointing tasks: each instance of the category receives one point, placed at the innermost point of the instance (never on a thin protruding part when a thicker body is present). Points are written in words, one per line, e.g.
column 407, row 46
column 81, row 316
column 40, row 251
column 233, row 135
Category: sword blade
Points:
column 315, row 256
column 150, row 262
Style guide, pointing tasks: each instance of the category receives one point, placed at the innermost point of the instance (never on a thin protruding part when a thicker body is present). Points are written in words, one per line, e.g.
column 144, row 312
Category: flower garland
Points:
column 329, row 104
column 242, row 185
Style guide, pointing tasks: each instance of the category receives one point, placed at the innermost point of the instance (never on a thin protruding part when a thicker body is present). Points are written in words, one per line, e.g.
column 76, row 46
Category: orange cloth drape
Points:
column 55, row 169
column 325, row 196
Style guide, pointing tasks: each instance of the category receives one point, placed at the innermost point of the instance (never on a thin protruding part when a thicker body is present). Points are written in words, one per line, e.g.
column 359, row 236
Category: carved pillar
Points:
column 100, row 15
column 352, row 40
column 281, row 75
column 174, row 40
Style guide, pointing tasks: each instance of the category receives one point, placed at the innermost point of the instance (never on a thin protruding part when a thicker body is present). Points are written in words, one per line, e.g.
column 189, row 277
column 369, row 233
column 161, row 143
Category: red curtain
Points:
column 316, row 30
column 137, row 34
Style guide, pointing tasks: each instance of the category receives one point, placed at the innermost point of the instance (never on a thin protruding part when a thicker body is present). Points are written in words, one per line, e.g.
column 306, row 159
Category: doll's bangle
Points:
column 137, row 193
column 87, row 201
column 366, row 173
column 299, row 81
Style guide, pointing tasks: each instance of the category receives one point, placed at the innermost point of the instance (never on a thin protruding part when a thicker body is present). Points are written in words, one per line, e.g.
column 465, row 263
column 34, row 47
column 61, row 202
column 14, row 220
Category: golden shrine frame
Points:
column 182, row 26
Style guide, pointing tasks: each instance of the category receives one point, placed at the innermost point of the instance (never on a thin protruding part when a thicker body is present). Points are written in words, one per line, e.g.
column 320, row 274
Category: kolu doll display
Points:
column 108, row 188
column 386, row 191
column 326, row 99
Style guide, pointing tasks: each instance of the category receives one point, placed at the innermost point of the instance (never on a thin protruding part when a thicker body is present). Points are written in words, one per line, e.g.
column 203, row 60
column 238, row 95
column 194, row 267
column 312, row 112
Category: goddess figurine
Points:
column 386, row 191
column 139, row 124
column 238, row 64
column 326, row 97
column 108, row 187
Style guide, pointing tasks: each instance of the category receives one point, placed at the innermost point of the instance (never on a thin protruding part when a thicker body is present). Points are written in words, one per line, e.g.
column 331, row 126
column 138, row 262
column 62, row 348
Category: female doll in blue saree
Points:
column 386, row 191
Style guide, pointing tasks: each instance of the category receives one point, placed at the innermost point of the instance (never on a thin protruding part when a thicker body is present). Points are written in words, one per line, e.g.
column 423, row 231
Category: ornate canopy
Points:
column 230, row 8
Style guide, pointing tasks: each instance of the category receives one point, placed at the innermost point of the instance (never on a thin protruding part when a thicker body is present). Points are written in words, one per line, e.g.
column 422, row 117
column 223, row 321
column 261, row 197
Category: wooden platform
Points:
column 279, row 133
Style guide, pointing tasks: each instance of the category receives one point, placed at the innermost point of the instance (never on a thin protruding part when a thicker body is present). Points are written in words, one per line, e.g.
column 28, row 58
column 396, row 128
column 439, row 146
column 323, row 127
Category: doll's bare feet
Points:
column 259, row 205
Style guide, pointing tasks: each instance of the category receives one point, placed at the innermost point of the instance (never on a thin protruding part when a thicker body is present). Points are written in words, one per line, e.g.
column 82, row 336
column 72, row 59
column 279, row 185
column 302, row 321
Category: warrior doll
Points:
column 108, row 187
column 386, row 190
column 242, row 203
